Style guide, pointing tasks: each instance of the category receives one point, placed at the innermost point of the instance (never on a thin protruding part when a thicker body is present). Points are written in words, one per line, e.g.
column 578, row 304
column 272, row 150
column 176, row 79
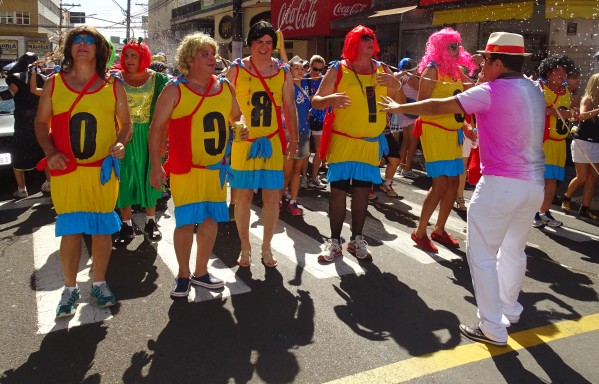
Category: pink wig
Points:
column 437, row 52
column 352, row 40
column 145, row 57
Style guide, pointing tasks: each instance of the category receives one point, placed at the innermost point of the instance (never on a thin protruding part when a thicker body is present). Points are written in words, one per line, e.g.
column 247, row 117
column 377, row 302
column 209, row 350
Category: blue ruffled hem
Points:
column 354, row 170
column 263, row 178
column 554, row 172
column 89, row 223
column 196, row 213
column 445, row 168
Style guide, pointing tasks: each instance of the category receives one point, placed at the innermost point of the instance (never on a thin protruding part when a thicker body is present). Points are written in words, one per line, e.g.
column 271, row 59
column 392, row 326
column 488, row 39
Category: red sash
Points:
column 61, row 136
column 179, row 131
column 327, row 126
column 281, row 130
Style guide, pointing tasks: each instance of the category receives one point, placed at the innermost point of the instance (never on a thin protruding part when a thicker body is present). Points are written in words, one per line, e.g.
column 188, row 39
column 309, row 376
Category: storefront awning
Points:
column 572, row 9
column 494, row 12
column 370, row 17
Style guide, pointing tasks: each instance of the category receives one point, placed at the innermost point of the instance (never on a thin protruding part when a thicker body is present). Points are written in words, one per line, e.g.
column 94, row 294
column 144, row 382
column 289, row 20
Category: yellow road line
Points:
column 445, row 359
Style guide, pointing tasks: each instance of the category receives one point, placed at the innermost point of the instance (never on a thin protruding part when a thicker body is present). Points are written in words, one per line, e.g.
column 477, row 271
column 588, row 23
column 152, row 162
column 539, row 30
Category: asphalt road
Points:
column 393, row 320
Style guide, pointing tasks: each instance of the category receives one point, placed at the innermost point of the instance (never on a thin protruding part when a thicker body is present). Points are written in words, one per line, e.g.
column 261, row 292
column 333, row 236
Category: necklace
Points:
column 358, row 78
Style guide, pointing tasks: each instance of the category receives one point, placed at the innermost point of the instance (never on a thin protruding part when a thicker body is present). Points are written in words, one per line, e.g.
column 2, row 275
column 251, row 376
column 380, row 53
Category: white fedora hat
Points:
column 505, row 43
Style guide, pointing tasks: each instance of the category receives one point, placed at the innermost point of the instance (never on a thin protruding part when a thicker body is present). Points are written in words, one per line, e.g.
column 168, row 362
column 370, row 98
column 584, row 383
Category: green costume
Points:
column 135, row 188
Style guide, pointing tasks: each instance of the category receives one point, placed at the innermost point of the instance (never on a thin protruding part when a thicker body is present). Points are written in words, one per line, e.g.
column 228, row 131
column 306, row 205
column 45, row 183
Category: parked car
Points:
column 7, row 124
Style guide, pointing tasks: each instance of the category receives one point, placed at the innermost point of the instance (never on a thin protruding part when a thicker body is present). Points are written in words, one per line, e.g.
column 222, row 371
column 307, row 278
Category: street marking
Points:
column 26, row 202
column 402, row 242
column 417, row 367
column 166, row 251
column 49, row 283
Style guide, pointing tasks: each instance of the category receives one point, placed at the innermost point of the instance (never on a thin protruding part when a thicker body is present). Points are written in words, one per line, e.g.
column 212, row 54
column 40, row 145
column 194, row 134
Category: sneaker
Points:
column 537, row 222
column 549, row 221
column 231, row 212
column 332, row 250
column 180, row 288
column 388, row 189
column 358, row 248
column 207, row 281
column 151, row 231
column 475, row 333
column 372, row 195
column 294, row 209
column 315, row 183
column 304, row 182
column 424, row 243
column 19, row 194
column 126, row 234
column 66, row 306
column 46, row 187
column 102, row 296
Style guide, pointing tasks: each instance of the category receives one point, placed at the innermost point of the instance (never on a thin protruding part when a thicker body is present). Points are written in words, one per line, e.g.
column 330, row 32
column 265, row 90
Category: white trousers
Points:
column 499, row 220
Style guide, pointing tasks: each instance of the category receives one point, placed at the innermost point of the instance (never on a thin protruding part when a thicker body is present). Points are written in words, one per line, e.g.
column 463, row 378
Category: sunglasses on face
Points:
column 366, row 38
column 315, row 69
column 453, row 46
column 87, row 39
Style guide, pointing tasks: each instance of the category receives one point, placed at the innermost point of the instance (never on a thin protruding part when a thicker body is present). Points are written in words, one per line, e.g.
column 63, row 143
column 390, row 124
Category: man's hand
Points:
column 117, row 150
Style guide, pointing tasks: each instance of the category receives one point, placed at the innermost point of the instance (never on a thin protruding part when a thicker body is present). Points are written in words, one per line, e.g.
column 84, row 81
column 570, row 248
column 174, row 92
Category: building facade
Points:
column 28, row 26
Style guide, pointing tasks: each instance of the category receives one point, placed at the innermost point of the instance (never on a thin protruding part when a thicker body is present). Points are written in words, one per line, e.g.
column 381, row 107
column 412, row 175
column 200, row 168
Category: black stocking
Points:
column 359, row 207
column 337, row 212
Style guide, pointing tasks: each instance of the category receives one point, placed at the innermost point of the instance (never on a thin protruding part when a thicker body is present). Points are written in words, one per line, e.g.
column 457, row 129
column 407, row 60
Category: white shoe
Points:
column 46, row 187
column 19, row 194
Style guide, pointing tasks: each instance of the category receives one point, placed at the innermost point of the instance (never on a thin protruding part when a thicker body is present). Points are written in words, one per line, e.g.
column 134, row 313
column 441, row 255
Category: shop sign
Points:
column 8, row 47
column 39, row 47
column 298, row 18
column 225, row 27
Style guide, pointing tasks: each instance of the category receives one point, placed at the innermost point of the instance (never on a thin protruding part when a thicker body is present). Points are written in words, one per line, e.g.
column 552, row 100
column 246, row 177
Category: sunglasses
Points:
column 315, row 69
column 453, row 46
column 366, row 38
column 87, row 39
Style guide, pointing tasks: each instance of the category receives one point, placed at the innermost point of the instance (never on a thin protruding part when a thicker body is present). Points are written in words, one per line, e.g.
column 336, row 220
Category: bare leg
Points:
column 183, row 240
column 433, row 197
column 242, row 216
column 101, row 250
column 582, row 172
column 270, row 215
column 20, row 178
column 70, row 253
column 550, row 189
column 126, row 213
column 206, row 237
column 316, row 160
column 589, row 186
column 446, row 203
column 296, row 175
column 151, row 211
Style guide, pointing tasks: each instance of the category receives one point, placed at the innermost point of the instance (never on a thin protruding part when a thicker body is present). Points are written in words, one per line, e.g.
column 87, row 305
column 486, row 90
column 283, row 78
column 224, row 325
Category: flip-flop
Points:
column 245, row 258
column 269, row 257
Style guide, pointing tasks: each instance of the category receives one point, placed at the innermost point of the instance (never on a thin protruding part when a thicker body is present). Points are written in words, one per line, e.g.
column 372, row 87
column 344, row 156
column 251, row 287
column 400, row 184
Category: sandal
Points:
column 245, row 258
column 586, row 213
column 268, row 259
column 566, row 204
column 460, row 204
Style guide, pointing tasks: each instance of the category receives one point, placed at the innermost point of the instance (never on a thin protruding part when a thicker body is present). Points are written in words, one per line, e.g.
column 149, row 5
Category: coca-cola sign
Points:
column 298, row 18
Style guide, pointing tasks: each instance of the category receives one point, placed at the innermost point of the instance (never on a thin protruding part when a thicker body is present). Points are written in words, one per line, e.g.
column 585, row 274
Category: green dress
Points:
column 135, row 188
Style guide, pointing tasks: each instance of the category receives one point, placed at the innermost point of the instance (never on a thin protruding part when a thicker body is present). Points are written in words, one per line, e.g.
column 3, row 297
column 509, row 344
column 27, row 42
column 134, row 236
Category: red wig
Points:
column 352, row 40
column 145, row 56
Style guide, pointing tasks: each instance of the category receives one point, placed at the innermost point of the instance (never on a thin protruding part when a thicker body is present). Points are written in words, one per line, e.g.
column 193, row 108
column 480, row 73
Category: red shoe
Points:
column 424, row 243
column 294, row 209
column 446, row 239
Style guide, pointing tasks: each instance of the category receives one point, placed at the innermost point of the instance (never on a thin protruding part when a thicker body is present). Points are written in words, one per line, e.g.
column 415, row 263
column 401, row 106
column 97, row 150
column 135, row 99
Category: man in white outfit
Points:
column 510, row 115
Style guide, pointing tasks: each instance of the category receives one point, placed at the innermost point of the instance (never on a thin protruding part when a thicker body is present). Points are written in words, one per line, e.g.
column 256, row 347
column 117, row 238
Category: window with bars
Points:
column 22, row 18
column 7, row 17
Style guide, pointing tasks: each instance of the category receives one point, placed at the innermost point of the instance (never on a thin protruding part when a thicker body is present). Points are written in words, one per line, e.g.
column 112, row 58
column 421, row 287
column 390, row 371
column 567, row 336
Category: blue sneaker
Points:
column 66, row 306
column 180, row 288
column 102, row 296
column 207, row 281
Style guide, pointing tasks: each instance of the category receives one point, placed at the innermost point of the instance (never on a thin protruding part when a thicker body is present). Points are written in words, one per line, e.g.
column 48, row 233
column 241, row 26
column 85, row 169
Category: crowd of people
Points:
column 117, row 134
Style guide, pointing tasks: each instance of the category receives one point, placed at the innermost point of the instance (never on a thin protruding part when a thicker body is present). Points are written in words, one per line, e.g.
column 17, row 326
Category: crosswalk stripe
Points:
column 166, row 251
column 49, row 284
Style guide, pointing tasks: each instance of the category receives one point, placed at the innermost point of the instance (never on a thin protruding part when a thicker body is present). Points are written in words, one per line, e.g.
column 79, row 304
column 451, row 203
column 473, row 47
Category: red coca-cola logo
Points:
column 302, row 15
column 343, row 10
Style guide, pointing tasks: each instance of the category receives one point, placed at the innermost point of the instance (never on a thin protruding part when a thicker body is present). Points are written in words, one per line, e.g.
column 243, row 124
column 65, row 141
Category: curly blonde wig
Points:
column 191, row 45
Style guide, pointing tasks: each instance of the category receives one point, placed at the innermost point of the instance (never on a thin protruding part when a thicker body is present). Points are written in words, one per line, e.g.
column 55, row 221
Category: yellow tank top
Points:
column 445, row 88
column 255, row 104
column 210, row 124
column 563, row 101
column 92, row 125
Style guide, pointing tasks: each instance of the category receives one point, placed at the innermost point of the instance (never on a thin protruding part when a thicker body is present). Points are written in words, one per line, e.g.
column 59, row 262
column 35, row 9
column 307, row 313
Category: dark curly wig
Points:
column 552, row 62
column 260, row 29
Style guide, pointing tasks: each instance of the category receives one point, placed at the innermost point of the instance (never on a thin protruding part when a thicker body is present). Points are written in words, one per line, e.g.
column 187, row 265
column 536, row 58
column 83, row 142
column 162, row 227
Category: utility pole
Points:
column 60, row 20
column 128, row 19
column 237, row 40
